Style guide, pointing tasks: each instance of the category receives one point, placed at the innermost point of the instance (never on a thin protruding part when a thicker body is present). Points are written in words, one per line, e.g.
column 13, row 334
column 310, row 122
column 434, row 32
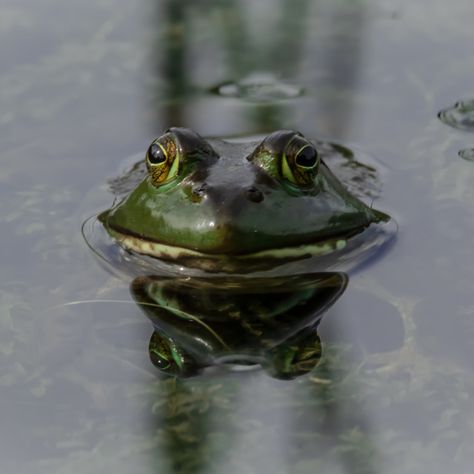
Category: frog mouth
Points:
column 262, row 259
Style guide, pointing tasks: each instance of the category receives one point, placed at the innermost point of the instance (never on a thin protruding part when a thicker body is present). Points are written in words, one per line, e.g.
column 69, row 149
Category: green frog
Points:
column 238, row 248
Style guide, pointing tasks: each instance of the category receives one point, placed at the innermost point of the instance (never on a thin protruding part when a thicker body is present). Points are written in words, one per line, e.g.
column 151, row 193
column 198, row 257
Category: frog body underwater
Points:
column 232, row 211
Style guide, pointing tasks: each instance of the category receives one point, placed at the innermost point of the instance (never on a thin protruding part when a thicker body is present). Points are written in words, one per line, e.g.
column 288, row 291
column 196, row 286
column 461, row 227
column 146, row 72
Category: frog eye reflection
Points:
column 307, row 157
column 162, row 160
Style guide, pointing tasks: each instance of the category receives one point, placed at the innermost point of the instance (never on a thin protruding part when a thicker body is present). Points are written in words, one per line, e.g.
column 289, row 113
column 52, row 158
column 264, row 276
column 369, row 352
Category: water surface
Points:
column 87, row 85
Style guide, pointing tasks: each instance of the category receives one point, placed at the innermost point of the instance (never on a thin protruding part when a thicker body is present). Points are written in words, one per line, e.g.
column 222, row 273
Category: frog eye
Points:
column 287, row 155
column 178, row 151
column 300, row 162
column 162, row 160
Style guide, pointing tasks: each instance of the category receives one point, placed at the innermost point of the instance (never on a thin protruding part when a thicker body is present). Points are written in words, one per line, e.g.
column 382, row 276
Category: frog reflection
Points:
column 207, row 321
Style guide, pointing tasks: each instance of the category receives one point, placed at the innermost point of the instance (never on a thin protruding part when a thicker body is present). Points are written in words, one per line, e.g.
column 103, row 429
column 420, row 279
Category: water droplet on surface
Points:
column 467, row 154
column 460, row 115
column 259, row 87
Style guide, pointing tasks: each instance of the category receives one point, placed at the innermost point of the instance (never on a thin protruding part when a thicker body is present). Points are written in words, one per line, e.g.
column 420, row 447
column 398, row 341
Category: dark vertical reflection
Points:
column 185, row 424
column 169, row 56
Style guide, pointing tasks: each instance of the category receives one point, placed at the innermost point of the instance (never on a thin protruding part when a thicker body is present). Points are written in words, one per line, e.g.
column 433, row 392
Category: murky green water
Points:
column 84, row 86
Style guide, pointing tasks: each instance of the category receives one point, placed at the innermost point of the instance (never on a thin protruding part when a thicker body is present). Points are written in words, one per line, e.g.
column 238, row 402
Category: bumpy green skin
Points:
column 232, row 199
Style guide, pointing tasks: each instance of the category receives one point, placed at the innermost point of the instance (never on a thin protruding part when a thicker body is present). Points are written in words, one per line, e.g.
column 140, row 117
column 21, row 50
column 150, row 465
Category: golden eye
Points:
column 162, row 160
column 288, row 155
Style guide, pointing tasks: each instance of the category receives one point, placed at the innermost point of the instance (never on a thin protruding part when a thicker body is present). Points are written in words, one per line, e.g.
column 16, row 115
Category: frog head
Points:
column 220, row 205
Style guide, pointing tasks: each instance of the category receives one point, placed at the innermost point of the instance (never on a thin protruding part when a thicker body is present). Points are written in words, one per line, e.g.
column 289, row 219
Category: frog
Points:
column 237, row 249
column 240, row 207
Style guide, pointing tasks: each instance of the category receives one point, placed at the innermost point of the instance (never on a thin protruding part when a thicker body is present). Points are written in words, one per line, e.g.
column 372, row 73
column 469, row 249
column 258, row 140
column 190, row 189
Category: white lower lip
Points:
column 170, row 252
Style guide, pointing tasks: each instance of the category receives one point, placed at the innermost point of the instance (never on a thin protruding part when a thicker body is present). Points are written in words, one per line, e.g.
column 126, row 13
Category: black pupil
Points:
column 307, row 157
column 156, row 155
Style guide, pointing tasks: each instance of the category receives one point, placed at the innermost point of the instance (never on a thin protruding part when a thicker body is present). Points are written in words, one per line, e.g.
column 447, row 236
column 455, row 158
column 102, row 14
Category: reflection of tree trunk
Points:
column 345, row 422
column 186, row 428
column 171, row 65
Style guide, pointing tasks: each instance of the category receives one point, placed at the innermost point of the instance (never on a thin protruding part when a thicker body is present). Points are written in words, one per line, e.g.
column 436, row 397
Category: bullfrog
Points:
column 241, row 207
column 237, row 248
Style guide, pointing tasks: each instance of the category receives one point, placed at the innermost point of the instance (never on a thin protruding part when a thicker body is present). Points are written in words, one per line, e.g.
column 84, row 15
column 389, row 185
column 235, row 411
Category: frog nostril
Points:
column 254, row 195
column 198, row 192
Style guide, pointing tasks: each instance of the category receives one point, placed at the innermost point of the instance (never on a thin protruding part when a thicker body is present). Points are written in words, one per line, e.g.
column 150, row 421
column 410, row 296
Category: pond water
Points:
column 85, row 87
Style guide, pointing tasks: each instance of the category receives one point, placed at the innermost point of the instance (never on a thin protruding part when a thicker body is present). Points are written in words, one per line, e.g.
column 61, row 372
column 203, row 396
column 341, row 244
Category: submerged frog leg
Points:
column 294, row 357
